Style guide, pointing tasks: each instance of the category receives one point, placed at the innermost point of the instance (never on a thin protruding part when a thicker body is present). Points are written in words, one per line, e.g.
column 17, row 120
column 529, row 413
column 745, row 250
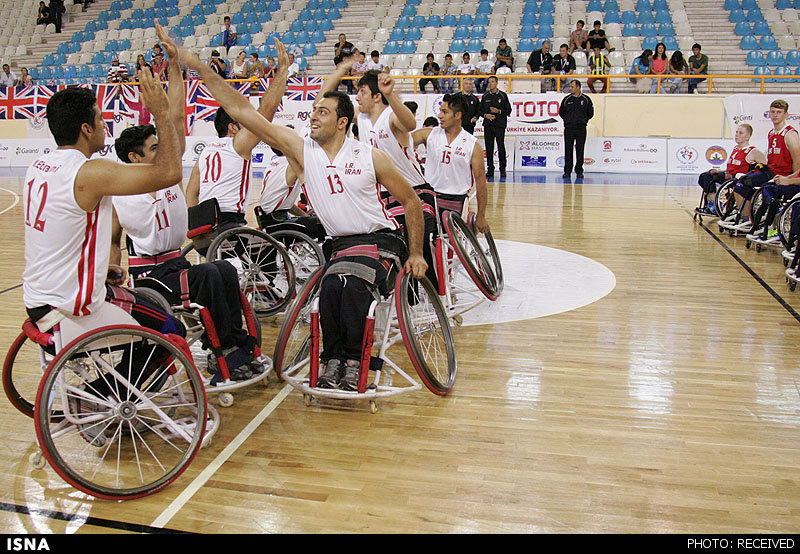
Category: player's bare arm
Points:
column 401, row 120
column 481, row 192
column 115, row 254
column 177, row 98
column 240, row 109
column 390, row 178
column 420, row 136
column 192, row 192
column 793, row 144
column 99, row 178
column 245, row 141
column 342, row 70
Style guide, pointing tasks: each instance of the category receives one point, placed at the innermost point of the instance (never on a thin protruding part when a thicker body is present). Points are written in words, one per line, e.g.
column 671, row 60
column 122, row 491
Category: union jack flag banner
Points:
column 111, row 108
column 18, row 103
column 303, row 88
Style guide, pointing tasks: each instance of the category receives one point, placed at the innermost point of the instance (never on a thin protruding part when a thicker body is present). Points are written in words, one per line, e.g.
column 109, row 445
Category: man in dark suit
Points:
column 576, row 111
column 495, row 109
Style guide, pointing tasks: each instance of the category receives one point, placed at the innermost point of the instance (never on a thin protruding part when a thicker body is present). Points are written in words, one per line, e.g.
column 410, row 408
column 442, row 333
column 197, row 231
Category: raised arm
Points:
column 401, row 119
column 342, row 69
column 177, row 98
column 420, row 136
column 390, row 178
column 98, row 178
column 240, row 109
column 245, row 141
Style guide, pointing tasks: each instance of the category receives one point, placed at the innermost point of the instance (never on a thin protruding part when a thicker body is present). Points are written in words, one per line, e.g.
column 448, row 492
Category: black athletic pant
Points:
column 490, row 135
column 574, row 140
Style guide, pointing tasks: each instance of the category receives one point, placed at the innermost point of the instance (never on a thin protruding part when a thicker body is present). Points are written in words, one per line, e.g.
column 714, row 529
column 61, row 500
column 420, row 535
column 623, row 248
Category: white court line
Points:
column 223, row 456
column 16, row 200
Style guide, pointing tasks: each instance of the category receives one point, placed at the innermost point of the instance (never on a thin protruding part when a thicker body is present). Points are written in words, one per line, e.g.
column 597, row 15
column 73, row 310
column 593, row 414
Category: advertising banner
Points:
column 754, row 109
column 640, row 155
column 694, row 156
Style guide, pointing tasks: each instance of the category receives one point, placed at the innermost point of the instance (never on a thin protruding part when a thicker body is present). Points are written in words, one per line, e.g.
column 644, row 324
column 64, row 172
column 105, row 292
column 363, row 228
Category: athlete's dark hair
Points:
column 370, row 79
column 67, row 110
column 411, row 105
column 344, row 108
column 221, row 121
column 132, row 140
column 457, row 103
column 430, row 121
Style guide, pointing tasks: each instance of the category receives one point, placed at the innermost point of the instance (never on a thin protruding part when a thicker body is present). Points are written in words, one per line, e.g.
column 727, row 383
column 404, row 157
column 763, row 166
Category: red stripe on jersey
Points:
column 282, row 200
column 90, row 234
column 244, row 186
column 390, row 218
column 91, row 270
column 405, row 151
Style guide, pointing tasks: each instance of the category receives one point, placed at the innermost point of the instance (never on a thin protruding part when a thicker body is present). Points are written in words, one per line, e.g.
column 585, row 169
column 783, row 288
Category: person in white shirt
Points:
column 465, row 68
column 340, row 178
column 484, row 66
column 375, row 62
column 7, row 77
column 294, row 67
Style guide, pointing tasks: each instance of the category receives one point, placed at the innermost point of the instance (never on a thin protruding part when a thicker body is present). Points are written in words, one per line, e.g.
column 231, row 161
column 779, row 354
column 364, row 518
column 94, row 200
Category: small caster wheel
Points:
column 307, row 399
column 758, row 248
column 730, row 233
column 792, row 285
column 458, row 321
column 748, row 244
column 785, row 262
column 225, row 399
column 37, row 460
column 373, row 407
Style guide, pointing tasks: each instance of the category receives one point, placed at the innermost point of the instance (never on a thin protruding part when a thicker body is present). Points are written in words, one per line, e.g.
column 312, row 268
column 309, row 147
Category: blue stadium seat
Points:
column 310, row 50
column 775, row 58
column 648, row 30
column 630, row 30
column 296, row 26
column 84, row 71
column 482, row 19
column 663, row 16
column 749, row 42
column 325, row 25
column 749, row 4
column 544, row 31
column 301, row 38
column 736, row 16
column 465, row 19
column 611, row 17
column 793, row 58
column 408, row 47
column 414, row 33
column 783, row 4
column 546, row 18
column 610, row 6
column 594, row 6
column 287, row 37
column 528, row 19
column 660, row 5
column 34, row 72
column 311, row 25
column 742, row 28
column 732, row 5
column 646, row 17
column 546, row 6
column 333, row 13
column 755, row 15
column 768, row 42
column 628, row 17
column 666, row 29
column 484, row 9
column 392, row 47
column 449, row 20
column 527, row 32
column 649, row 43
column 313, row 4
column 403, row 22
column 419, row 21
column 341, row 4
column 478, row 32
column 474, row 45
column 304, row 15
column 755, row 58
column 435, row 21
column 263, row 51
column 458, row 45
column 761, row 28
column 643, row 5
column 525, row 45
column 781, row 70
column 410, row 11
column 397, row 34
column 670, row 42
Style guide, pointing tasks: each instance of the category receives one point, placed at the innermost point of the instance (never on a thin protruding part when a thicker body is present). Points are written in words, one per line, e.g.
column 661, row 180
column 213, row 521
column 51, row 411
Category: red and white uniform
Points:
column 779, row 159
column 276, row 193
column 66, row 248
column 449, row 166
column 154, row 225
column 224, row 175
column 737, row 160
column 381, row 137
column 345, row 193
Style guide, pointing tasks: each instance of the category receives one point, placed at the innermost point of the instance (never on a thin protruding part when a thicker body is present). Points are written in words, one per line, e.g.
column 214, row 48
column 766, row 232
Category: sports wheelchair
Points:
column 413, row 314
column 729, row 213
column 120, row 411
column 301, row 237
column 197, row 321
column 266, row 272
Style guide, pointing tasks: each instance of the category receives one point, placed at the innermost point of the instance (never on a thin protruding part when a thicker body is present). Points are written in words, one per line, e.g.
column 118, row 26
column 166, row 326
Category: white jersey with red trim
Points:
column 276, row 193
column 155, row 223
column 448, row 166
column 345, row 193
column 381, row 137
column 224, row 175
column 66, row 248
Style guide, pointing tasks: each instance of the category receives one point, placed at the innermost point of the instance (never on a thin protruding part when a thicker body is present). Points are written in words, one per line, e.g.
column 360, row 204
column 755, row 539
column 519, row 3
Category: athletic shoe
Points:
column 772, row 233
column 705, row 211
column 579, row 175
column 91, row 432
column 350, row 379
column 332, row 375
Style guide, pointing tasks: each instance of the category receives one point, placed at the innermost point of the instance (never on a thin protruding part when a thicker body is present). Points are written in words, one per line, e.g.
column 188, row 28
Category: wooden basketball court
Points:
column 669, row 405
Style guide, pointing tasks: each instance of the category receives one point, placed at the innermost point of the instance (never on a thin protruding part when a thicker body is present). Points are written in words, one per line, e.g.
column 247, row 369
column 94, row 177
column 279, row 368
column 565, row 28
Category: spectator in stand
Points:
column 473, row 107
column 466, row 67
column 343, row 50
column 160, row 66
column 483, row 67
column 270, row 68
column 677, row 66
column 659, row 66
column 641, row 66
column 598, row 63
column 449, row 68
column 229, row 35
column 361, row 66
column 597, row 37
column 7, row 77
column 239, row 66
column 294, row 67
column 579, row 38
column 218, row 64
column 698, row 65
column 504, row 56
column 141, row 64
column 375, row 62
column 57, row 10
column 24, row 78
column 118, row 72
column 43, row 16
column 563, row 64
column 430, row 68
column 541, row 62
column 256, row 70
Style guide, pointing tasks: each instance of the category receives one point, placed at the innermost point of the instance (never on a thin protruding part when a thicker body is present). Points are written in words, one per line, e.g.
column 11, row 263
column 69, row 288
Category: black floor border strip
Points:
column 96, row 521
column 750, row 270
column 11, row 288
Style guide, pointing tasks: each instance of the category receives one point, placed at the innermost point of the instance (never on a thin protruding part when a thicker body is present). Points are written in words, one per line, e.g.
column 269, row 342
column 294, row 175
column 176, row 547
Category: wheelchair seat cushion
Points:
column 203, row 218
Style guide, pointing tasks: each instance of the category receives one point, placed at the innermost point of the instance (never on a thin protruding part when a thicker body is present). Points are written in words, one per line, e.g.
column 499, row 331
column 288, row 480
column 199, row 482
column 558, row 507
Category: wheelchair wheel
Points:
column 22, row 373
column 294, row 340
column 489, row 249
column 266, row 274
column 725, row 200
column 155, row 298
column 426, row 333
column 471, row 255
column 133, row 412
column 785, row 223
column 305, row 252
column 755, row 204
